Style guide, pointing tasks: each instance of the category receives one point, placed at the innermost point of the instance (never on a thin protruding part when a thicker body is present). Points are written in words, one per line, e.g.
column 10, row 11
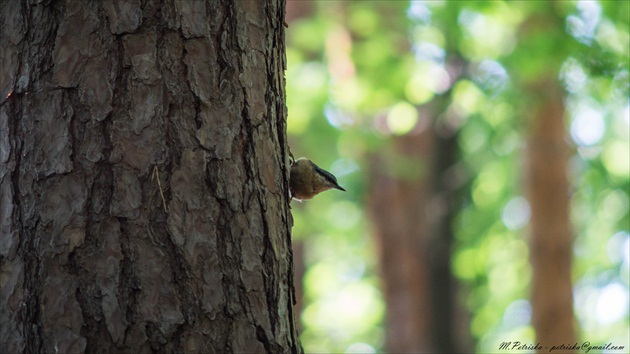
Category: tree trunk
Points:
column 143, row 183
column 398, row 212
column 412, row 214
column 545, row 176
column 450, row 321
column 550, row 243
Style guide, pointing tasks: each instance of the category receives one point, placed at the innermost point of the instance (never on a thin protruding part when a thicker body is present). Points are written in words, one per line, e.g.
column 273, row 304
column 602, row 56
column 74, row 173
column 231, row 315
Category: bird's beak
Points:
column 339, row 187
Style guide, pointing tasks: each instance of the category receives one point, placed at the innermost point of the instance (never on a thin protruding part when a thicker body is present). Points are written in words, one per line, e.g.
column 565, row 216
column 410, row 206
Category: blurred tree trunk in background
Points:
column 451, row 321
column 412, row 214
column 398, row 212
column 101, row 253
column 299, row 9
column 546, row 178
column 551, row 243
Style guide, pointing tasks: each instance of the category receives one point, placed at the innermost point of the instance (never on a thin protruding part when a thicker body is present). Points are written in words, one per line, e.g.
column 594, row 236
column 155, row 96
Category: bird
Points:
column 307, row 180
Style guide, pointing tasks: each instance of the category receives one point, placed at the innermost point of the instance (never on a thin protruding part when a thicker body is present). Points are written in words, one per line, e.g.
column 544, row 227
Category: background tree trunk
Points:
column 397, row 208
column 143, row 182
column 412, row 216
column 412, row 212
column 551, row 241
column 547, row 186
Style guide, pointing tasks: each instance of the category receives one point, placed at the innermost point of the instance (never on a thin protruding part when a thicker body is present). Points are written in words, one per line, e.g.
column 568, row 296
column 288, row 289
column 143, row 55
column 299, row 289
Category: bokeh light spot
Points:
column 516, row 213
column 518, row 313
column 402, row 118
column 612, row 303
column 616, row 158
column 587, row 127
column 362, row 348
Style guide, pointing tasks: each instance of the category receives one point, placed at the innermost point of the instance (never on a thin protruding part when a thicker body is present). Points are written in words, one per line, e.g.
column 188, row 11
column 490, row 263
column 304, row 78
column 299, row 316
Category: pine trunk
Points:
column 143, row 183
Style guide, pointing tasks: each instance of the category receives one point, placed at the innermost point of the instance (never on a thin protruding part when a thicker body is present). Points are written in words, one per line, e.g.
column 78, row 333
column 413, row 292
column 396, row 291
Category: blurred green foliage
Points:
column 358, row 71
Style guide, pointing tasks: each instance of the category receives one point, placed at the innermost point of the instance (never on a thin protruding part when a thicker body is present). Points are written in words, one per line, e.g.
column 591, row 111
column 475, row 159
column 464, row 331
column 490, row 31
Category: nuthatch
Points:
column 307, row 180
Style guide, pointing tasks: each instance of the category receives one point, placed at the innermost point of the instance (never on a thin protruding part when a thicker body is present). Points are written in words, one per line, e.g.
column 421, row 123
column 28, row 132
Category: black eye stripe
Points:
column 327, row 175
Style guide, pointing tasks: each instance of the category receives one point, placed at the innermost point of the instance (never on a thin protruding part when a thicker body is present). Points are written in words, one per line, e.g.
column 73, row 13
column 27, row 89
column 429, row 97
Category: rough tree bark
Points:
column 143, row 182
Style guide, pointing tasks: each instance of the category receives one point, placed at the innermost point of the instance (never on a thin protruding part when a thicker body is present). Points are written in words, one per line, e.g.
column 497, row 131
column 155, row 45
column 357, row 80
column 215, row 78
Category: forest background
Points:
column 438, row 118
